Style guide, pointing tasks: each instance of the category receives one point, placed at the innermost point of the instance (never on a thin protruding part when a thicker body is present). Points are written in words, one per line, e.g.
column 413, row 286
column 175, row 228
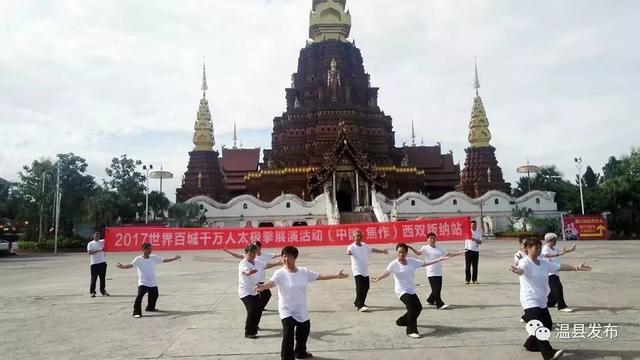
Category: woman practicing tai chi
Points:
column 551, row 253
column 434, row 272
column 403, row 270
column 250, row 270
column 534, row 287
column 359, row 253
column 146, row 266
column 265, row 257
column 292, row 284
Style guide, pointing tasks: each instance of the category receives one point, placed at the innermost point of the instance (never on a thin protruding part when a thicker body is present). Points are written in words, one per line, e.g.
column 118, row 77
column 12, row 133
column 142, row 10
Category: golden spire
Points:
column 479, row 133
column 203, row 136
column 328, row 20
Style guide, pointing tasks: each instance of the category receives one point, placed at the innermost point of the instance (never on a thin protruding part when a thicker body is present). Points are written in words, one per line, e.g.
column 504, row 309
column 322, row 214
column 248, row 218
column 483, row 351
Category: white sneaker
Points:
column 558, row 355
column 414, row 336
column 567, row 310
column 363, row 309
column 444, row 307
column 137, row 316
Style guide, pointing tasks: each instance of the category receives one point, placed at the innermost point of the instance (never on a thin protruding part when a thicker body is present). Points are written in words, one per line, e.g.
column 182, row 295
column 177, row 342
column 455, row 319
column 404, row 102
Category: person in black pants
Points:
column 292, row 282
column 533, row 272
column 95, row 248
column 431, row 252
column 403, row 269
column 359, row 253
column 146, row 265
column 552, row 253
column 250, row 271
column 472, row 254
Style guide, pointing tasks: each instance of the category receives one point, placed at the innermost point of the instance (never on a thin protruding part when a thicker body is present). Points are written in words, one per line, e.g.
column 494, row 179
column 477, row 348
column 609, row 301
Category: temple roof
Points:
column 344, row 148
column 241, row 160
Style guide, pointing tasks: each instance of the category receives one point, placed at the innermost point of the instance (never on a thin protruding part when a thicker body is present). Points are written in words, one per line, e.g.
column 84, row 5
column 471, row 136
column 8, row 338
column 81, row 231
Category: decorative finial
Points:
column 413, row 134
column 476, row 84
column 204, row 77
column 235, row 135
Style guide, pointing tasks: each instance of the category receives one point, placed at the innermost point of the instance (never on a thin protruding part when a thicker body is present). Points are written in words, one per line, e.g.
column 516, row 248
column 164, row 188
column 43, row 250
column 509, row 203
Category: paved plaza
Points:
column 47, row 312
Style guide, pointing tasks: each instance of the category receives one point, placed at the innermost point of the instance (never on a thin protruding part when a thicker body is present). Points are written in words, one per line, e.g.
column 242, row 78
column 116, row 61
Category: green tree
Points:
column 102, row 208
column 158, row 203
column 75, row 188
column 185, row 214
column 128, row 183
column 590, row 179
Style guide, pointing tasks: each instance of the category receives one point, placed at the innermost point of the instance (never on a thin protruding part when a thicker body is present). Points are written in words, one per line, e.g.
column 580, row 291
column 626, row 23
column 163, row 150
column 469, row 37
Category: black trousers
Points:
column 532, row 343
column 294, row 330
column 556, row 295
column 410, row 318
column 151, row 299
column 254, row 307
column 98, row 271
column 471, row 265
column 362, row 288
column 263, row 297
column 436, row 288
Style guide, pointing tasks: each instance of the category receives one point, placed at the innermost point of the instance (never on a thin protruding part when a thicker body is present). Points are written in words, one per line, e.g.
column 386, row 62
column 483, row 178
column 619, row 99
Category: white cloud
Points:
column 97, row 78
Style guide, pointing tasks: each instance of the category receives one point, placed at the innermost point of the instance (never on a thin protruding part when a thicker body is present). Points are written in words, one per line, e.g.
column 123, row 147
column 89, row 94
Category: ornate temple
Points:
column 333, row 136
column 481, row 172
column 333, row 156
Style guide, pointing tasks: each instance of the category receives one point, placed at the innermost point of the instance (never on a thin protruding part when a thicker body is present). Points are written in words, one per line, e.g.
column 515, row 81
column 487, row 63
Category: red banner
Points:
column 132, row 238
column 585, row 227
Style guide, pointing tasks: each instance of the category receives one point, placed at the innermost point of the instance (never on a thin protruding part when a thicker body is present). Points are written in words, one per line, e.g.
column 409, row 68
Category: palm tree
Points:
column 158, row 203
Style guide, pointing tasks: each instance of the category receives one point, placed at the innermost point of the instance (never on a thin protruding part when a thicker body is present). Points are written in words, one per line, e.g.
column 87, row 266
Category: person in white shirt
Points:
column 250, row 272
column 403, row 269
column 146, row 266
column 473, row 254
column 292, row 284
column 95, row 248
column 359, row 253
column 551, row 253
column 265, row 257
column 534, row 287
column 520, row 254
column 434, row 272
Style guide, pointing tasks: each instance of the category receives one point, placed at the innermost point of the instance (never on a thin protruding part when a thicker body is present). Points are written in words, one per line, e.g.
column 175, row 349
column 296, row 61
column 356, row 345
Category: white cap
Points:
column 550, row 237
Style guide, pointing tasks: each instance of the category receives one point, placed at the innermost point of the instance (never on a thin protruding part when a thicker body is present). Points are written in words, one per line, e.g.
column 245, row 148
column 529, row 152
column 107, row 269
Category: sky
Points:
column 104, row 78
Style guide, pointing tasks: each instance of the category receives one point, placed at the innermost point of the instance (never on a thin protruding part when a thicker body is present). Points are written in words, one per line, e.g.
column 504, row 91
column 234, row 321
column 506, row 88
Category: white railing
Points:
column 377, row 208
column 333, row 216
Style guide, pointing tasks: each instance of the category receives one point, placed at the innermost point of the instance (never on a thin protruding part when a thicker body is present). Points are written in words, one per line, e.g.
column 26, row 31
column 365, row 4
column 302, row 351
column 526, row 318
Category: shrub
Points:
column 519, row 234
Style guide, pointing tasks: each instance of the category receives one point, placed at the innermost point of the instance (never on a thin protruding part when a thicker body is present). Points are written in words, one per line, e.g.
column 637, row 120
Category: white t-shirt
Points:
column 534, row 282
column 147, row 269
column 265, row 258
column 98, row 257
column 404, row 275
column 246, row 284
column 518, row 256
column 548, row 250
column 360, row 258
column 472, row 245
column 292, row 292
column 430, row 254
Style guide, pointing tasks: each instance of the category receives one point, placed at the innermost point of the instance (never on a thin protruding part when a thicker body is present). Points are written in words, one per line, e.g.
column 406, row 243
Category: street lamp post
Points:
column 146, row 206
column 578, row 162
